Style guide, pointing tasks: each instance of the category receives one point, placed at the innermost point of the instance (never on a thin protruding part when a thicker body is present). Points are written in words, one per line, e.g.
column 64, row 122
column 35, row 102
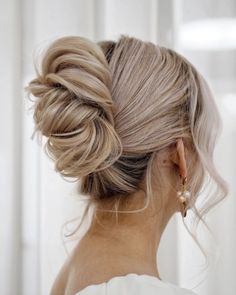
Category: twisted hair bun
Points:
column 74, row 107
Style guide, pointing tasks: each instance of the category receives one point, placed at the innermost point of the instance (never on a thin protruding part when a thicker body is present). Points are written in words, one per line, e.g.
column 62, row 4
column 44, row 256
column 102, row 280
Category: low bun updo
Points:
column 74, row 107
column 108, row 108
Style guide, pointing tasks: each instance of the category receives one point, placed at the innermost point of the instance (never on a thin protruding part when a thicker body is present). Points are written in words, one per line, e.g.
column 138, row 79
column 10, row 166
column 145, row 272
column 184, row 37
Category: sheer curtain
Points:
column 35, row 201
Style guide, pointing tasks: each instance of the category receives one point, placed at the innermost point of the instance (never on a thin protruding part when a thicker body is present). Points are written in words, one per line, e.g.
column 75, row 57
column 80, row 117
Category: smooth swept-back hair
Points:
column 108, row 107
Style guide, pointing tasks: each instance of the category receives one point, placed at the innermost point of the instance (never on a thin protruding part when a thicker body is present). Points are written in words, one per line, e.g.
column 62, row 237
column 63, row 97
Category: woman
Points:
column 136, row 124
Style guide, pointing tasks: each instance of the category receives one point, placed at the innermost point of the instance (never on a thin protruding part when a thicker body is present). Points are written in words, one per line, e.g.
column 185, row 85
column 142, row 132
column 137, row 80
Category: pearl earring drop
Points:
column 184, row 196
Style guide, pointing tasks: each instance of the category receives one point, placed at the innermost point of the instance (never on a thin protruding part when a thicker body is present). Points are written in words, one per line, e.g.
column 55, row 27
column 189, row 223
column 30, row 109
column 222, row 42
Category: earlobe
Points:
column 181, row 158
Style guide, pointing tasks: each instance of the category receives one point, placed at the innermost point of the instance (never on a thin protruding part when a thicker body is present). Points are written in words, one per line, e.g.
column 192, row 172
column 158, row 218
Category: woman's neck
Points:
column 129, row 245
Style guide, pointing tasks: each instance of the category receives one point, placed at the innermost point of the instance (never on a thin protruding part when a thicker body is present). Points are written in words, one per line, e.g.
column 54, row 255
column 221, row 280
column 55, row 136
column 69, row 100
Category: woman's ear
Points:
column 179, row 159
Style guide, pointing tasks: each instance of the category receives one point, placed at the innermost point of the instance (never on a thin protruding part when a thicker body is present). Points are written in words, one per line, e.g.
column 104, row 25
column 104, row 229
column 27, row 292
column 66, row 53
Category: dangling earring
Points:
column 183, row 196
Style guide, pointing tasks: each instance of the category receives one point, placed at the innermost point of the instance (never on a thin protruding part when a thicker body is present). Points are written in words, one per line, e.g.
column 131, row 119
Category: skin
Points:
column 109, row 249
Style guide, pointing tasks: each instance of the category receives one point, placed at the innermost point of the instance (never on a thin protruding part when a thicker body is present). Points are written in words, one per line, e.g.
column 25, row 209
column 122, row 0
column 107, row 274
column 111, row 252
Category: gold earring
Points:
column 183, row 196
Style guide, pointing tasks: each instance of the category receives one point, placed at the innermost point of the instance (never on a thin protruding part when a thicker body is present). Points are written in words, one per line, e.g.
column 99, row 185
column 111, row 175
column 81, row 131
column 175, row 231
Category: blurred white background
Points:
column 35, row 201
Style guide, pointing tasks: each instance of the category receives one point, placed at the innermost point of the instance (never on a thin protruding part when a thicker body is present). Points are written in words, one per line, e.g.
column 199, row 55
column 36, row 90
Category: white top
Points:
column 135, row 284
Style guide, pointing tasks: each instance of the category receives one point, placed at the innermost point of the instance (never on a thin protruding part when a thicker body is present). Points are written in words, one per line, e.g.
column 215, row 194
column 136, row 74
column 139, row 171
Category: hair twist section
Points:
column 74, row 107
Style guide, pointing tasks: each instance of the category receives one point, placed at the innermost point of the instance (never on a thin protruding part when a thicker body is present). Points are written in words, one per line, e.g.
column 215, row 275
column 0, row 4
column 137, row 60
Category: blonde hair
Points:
column 108, row 107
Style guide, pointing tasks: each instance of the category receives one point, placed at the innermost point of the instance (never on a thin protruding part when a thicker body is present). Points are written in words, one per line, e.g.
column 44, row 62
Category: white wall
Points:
column 10, row 149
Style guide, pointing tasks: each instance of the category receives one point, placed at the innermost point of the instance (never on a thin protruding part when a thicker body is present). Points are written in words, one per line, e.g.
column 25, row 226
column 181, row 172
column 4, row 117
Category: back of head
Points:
column 108, row 107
